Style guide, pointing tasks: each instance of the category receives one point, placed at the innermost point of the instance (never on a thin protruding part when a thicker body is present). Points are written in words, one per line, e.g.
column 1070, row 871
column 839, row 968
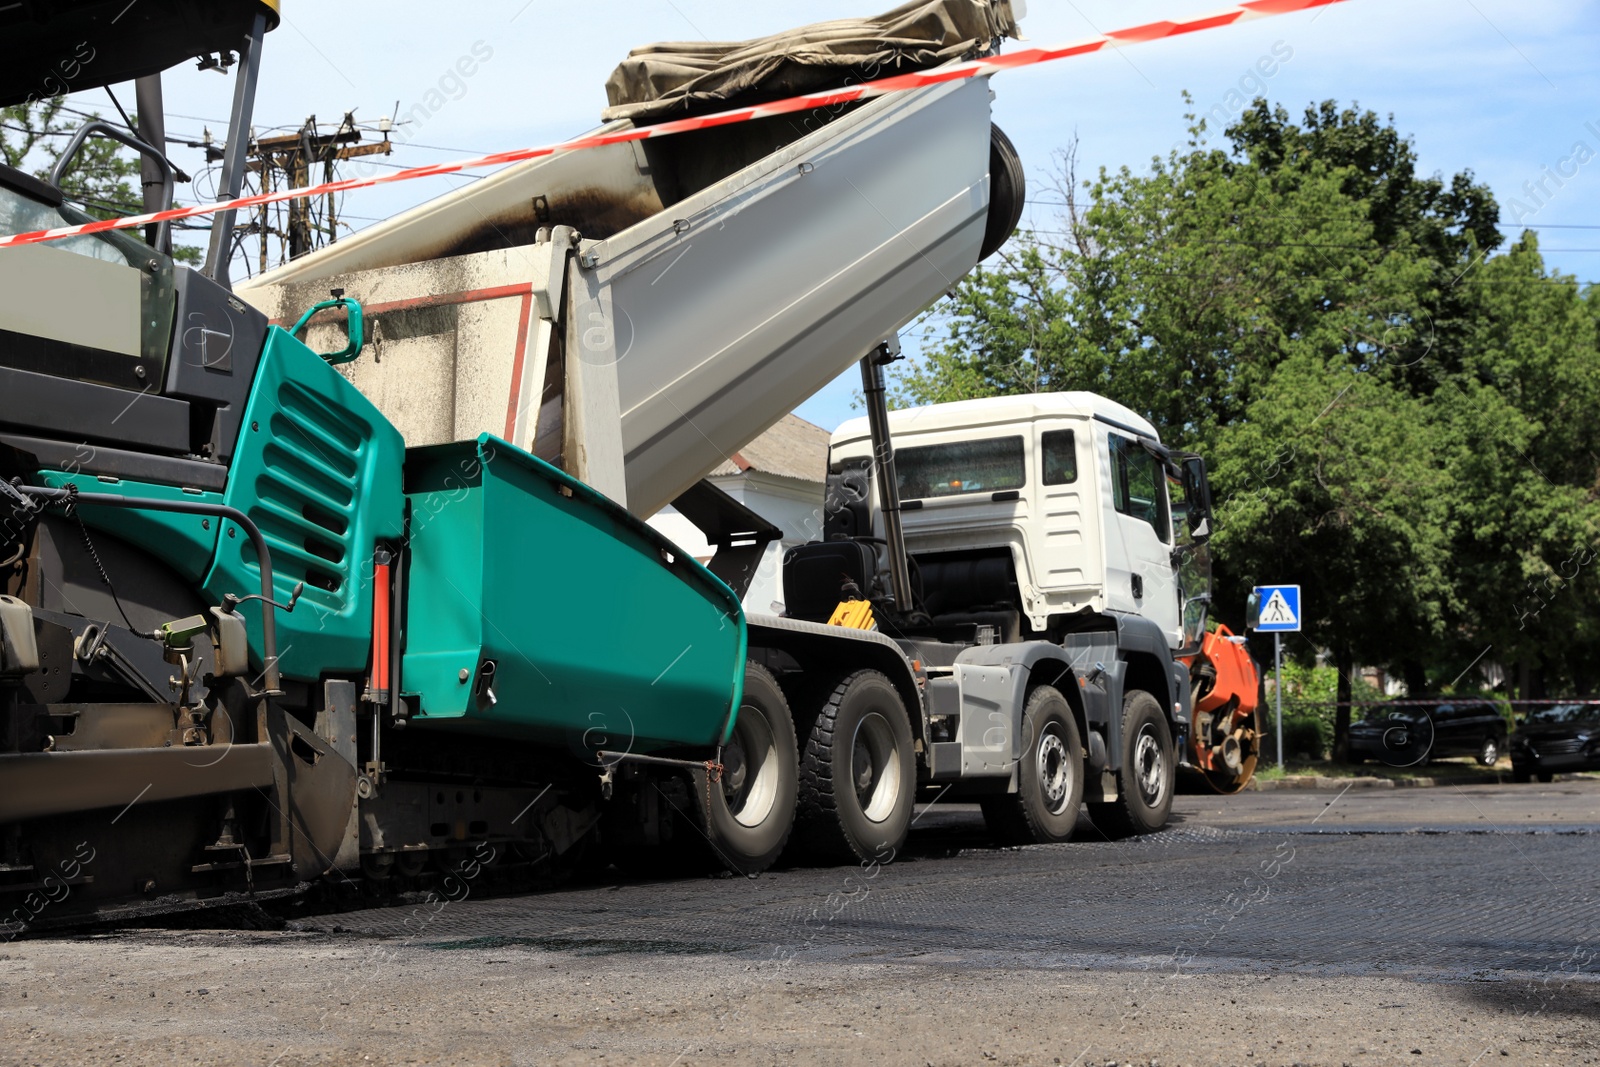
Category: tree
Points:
column 1524, row 455
column 1336, row 333
column 105, row 177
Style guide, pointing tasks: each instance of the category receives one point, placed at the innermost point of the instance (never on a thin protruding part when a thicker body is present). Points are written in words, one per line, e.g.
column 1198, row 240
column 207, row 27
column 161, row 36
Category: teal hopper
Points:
column 539, row 609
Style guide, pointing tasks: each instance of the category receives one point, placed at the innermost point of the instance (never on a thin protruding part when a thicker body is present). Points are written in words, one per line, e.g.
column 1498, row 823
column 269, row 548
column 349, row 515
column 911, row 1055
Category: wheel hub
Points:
column 875, row 769
column 1232, row 758
column 733, row 769
column 750, row 771
column 1149, row 766
column 1055, row 772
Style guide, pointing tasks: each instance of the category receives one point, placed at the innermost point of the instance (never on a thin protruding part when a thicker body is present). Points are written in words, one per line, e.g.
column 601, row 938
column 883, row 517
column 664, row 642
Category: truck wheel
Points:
column 857, row 775
column 1144, row 785
column 751, row 809
column 1044, row 808
column 1008, row 192
column 1489, row 751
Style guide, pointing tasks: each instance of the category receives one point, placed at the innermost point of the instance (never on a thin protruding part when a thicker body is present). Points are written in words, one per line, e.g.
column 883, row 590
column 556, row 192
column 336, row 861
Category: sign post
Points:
column 1275, row 610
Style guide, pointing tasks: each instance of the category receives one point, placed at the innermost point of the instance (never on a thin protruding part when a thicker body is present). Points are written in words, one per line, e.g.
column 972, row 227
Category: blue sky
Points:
column 1506, row 88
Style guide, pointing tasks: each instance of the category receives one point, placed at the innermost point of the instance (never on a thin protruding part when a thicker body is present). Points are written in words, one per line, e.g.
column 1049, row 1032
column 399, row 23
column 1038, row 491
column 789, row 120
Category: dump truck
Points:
column 344, row 574
column 1018, row 528
column 708, row 310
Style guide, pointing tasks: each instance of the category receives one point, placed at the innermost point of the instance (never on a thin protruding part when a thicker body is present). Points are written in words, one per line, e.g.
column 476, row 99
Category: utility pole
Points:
column 291, row 157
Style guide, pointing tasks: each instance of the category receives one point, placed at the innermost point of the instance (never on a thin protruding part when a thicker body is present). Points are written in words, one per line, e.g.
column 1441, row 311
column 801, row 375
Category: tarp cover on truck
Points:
column 674, row 79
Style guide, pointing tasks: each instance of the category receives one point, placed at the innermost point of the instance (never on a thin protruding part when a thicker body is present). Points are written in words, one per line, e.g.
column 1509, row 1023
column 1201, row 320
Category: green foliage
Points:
column 1309, row 712
column 104, row 179
column 1317, row 683
column 105, row 176
column 1306, row 736
column 1396, row 416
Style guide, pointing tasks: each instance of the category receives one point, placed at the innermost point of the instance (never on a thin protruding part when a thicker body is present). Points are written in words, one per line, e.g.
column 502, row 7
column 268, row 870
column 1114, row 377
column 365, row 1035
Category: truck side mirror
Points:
column 1197, row 491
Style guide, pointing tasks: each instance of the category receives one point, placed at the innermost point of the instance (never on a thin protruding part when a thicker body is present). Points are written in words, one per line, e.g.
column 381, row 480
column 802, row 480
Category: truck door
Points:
column 1065, row 553
column 1139, row 575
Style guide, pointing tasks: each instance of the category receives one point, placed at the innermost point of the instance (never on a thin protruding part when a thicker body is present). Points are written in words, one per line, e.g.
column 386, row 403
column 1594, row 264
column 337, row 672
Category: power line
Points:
column 437, row 148
column 197, row 118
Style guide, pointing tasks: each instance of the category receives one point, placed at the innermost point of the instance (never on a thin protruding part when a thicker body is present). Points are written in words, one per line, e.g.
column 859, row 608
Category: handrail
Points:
column 117, row 133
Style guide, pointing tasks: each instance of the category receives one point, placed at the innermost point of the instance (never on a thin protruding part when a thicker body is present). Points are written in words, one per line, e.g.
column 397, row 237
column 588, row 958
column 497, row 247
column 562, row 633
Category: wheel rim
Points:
column 875, row 767
column 750, row 768
column 1149, row 765
column 1055, row 770
column 1490, row 753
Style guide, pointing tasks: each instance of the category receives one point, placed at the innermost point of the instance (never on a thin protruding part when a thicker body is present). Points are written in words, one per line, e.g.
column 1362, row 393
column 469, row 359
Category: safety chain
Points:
column 713, row 774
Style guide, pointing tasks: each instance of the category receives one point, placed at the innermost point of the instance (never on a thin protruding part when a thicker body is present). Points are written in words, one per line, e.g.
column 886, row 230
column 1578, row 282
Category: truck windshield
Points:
column 23, row 214
column 985, row 466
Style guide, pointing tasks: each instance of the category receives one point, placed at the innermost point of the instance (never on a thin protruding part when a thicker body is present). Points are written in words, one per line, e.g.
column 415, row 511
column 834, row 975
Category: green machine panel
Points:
column 318, row 469
column 187, row 542
column 599, row 630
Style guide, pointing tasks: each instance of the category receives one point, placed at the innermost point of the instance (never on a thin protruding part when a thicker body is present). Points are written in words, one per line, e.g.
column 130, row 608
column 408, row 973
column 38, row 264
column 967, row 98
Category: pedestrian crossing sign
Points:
column 1279, row 610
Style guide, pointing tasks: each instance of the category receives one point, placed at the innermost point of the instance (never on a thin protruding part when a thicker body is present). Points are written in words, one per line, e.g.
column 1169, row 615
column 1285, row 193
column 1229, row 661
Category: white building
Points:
column 781, row 476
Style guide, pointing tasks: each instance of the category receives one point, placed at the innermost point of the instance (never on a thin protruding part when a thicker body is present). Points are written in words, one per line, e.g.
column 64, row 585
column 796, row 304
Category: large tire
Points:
column 1489, row 751
column 1008, row 193
column 1144, row 784
column 750, row 810
column 1044, row 809
column 858, row 775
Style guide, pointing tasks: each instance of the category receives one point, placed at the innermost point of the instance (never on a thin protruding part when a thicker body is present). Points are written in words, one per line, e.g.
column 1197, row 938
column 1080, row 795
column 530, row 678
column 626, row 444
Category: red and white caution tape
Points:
column 1154, row 31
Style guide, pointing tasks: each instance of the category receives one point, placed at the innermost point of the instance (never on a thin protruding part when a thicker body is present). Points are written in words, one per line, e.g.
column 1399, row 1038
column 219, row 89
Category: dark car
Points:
column 1560, row 737
column 1409, row 735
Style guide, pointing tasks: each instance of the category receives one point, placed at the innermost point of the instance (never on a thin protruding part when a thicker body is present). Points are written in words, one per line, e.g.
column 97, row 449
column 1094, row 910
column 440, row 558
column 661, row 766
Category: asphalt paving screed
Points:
column 1195, row 899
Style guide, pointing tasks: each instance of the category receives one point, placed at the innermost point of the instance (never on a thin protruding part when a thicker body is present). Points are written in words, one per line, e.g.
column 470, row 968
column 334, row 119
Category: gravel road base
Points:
column 297, row 999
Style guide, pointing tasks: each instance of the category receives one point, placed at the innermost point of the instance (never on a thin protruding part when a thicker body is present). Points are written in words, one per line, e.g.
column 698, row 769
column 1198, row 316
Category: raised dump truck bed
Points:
column 708, row 283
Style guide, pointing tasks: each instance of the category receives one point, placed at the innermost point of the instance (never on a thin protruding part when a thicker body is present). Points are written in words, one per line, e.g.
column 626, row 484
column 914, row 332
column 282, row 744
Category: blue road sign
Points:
column 1280, row 609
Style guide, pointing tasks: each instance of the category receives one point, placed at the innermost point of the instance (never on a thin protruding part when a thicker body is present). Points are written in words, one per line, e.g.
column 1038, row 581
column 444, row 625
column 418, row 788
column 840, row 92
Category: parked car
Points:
column 1409, row 735
column 1559, row 737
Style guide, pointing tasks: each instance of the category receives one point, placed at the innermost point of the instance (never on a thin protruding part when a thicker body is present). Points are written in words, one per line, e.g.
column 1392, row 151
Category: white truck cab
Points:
column 1040, row 558
column 1074, row 487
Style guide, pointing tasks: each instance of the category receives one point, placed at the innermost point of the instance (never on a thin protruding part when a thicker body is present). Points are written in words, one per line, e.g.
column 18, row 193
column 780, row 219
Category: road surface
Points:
column 1395, row 926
